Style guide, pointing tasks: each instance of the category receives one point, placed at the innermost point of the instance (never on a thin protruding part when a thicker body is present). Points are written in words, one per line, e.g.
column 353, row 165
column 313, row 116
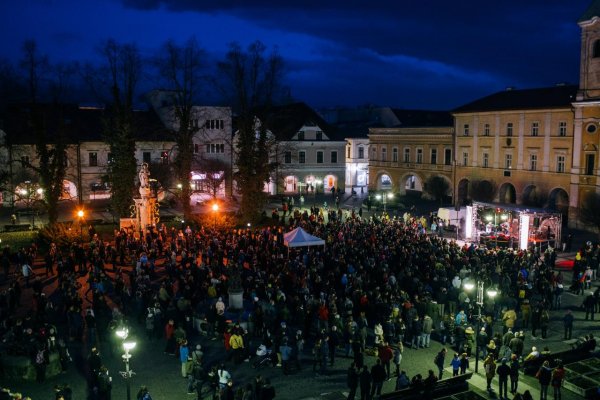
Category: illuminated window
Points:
column 508, row 161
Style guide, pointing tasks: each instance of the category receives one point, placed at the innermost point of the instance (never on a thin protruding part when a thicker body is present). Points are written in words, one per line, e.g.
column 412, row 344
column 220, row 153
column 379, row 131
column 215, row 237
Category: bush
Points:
column 63, row 234
column 17, row 240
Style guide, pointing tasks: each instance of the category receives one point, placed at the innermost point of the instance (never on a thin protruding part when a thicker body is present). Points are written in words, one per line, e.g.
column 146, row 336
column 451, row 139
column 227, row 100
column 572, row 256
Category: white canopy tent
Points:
column 300, row 238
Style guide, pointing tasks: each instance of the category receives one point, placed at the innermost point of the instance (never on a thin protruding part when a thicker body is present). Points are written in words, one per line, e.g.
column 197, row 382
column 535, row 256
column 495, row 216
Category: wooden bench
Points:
column 445, row 387
column 17, row 227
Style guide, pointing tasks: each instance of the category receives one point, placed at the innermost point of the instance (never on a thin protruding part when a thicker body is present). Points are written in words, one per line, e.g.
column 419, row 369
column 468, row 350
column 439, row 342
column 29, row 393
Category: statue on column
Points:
column 144, row 176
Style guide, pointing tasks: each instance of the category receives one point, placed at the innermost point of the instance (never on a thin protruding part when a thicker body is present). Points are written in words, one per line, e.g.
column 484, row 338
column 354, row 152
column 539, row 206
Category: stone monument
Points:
column 145, row 213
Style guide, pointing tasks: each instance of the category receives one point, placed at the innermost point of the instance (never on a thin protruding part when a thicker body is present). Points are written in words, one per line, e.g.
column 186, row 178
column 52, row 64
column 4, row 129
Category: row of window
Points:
column 318, row 135
column 406, row 158
column 534, row 129
column 333, row 157
column 508, row 161
column 146, row 157
column 210, row 124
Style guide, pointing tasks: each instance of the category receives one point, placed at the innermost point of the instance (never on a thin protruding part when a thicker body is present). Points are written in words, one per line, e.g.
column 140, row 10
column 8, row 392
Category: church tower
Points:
column 589, row 75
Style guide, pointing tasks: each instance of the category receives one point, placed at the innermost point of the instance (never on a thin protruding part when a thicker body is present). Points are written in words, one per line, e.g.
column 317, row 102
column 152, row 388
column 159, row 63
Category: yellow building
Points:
column 516, row 147
column 404, row 157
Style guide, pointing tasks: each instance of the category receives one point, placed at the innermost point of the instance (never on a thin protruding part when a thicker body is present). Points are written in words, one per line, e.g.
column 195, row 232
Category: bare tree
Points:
column 47, row 122
column 253, row 77
column 181, row 68
column 115, row 84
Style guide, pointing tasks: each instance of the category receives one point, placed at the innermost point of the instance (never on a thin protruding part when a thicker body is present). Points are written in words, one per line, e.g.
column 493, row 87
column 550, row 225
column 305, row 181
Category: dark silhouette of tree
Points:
column 47, row 123
column 483, row 190
column 588, row 212
column 181, row 69
column 115, row 84
column 253, row 76
column 437, row 187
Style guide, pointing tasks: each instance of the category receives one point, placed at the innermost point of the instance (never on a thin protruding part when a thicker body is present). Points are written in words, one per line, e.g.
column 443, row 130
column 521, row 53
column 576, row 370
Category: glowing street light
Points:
column 128, row 345
column 383, row 198
column 215, row 208
column 491, row 292
column 80, row 215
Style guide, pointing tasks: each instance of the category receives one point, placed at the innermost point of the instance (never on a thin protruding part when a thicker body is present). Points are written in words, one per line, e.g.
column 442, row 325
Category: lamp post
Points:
column 383, row 197
column 215, row 208
column 80, row 214
column 128, row 345
column 491, row 292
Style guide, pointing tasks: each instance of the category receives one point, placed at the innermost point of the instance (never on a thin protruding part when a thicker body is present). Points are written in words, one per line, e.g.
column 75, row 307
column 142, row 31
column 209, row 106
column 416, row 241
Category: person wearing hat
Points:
column 503, row 372
column 489, row 366
column 470, row 340
column 491, row 347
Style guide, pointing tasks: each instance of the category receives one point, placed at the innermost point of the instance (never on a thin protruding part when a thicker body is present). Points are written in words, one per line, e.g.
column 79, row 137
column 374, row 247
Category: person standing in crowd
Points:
column 558, row 376
column 352, row 381
column 268, row 391
column 544, row 376
column 378, row 376
column 143, row 393
column 365, row 383
column 455, row 364
column 503, row 372
column 184, row 357
column 439, row 361
column 489, row 366
column 398, row 357
column 514, row 374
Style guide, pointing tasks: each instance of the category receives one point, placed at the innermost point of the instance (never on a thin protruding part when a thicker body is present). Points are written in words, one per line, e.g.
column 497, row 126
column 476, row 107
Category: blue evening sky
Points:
column 400, row 53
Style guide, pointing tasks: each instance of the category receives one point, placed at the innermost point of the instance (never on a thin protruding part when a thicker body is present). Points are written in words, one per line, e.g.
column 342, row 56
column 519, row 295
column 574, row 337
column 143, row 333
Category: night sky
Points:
column 401, row 53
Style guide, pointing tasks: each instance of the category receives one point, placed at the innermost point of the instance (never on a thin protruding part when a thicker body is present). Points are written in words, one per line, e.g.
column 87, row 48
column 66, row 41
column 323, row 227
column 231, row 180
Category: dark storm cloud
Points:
column 520, row 43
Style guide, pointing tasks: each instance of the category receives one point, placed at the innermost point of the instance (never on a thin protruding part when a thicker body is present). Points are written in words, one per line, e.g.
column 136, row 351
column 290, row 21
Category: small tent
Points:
column 300, row 238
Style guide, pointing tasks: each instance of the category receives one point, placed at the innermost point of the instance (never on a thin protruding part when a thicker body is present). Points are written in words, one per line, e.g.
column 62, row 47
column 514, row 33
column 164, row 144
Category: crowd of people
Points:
column 379, row 284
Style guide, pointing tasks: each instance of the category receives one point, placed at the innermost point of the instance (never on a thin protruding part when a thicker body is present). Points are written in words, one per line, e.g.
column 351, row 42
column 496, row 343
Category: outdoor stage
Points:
column 511, row 226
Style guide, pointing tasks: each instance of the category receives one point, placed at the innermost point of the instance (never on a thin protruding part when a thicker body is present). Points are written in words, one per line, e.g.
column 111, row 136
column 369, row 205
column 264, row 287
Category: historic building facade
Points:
column 404, row 157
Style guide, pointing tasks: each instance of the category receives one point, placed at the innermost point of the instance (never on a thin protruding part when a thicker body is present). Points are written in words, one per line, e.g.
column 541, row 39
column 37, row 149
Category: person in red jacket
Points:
column 385, row 354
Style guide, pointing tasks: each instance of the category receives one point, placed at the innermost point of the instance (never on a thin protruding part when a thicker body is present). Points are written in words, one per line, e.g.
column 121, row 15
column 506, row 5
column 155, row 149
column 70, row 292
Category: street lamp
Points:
column 215, row 208
column 128, row 345
column 383, row 198
column 80, row 214
column 491, row 292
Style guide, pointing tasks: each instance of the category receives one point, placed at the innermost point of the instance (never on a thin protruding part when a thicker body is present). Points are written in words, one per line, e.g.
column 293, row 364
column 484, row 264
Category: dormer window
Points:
column 301, row 135
column 319, row 135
